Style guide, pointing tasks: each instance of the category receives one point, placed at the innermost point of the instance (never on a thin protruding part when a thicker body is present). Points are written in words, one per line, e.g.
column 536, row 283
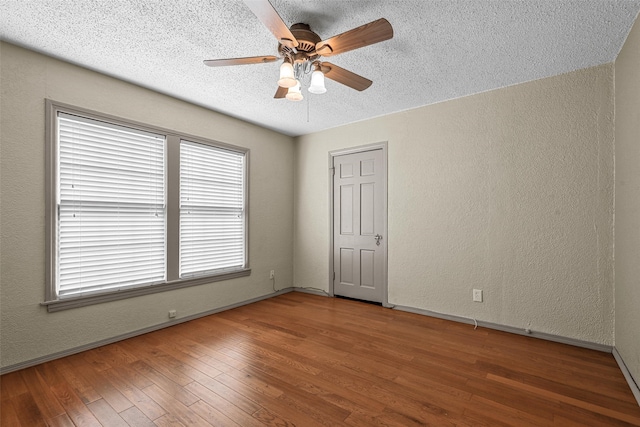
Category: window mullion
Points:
column 173, row 208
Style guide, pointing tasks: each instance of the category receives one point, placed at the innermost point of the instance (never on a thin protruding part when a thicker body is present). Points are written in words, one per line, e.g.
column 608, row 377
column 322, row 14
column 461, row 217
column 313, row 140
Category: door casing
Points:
column 352, row 150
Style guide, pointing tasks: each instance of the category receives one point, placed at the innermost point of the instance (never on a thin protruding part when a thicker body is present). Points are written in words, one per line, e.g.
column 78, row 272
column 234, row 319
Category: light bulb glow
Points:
column 286, row 75
column 317, row 83
column 294, row 93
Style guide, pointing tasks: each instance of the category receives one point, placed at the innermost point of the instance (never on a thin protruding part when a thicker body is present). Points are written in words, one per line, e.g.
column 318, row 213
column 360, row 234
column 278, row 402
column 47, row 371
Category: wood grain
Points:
column 364, row 35
column 309, row 361
column 270, row 18
column 239, row 61
column 345, row 77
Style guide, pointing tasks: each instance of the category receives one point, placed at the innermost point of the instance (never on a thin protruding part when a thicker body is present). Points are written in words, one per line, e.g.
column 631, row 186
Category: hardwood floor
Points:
column 309, row 361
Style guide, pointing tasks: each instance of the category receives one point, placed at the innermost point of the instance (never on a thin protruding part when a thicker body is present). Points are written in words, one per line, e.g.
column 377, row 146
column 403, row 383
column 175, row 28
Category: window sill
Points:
column 85, row 300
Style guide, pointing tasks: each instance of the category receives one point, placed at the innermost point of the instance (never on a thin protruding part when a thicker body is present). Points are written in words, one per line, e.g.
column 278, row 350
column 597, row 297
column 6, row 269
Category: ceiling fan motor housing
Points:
column 307, row 40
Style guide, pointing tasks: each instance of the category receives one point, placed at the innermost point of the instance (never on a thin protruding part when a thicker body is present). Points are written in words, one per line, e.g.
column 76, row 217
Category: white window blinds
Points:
column 111, row 220
column 212, row 217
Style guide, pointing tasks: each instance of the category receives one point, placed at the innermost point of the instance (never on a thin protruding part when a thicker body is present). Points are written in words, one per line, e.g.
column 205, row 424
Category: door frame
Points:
column 353, row 150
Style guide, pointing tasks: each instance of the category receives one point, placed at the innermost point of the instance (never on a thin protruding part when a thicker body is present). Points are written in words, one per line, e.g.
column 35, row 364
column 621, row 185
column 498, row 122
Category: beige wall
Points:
column 627, row 252
column 27, row 331
column 509, row 191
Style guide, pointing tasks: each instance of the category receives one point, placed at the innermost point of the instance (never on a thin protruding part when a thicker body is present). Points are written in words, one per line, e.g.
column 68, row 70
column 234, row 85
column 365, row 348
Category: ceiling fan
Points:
column 301, row 50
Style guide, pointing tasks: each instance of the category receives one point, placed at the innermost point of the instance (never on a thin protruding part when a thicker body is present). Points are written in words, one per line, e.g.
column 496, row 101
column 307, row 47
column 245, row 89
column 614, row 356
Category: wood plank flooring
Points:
column 310, row 361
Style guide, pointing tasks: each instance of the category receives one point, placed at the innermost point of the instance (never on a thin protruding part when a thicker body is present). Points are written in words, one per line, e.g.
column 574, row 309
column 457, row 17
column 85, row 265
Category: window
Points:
column 135, row 209
column 110, row 207
column 211, row 209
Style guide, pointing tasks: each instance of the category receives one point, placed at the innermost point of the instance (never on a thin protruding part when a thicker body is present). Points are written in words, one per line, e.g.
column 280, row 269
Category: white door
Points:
column 359, row 240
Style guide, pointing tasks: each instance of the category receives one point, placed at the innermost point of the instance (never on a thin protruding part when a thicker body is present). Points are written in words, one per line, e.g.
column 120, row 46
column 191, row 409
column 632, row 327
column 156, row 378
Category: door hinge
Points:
column 334, row 275
column 333, row 171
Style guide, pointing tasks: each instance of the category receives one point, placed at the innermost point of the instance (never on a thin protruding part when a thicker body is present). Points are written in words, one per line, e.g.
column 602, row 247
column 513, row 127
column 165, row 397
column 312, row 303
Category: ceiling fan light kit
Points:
column 295, row 93
column 317, row 83
column 287, row 78
column 302, row 49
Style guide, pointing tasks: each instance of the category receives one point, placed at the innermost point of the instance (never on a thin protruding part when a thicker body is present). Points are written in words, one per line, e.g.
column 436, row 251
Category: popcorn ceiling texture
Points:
column 441, row 50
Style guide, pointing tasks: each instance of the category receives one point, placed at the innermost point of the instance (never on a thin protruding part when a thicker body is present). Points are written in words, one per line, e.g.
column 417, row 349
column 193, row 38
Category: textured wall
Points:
column 627, row 252
column 27, row 330
column 509, row 191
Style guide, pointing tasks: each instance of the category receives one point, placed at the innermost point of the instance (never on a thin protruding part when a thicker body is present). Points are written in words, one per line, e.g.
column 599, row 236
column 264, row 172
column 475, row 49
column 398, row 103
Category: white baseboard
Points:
column 85, row 347
column 511, row 329
column 633, row 385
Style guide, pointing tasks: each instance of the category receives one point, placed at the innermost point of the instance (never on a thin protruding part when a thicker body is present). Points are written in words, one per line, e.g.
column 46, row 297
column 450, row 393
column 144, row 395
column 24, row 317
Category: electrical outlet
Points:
column 477, row 295
column 172, row 314
column 272, row 274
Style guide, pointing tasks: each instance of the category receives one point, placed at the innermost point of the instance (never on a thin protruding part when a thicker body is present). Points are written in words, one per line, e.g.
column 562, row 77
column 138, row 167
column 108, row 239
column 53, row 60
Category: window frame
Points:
column 172, row 211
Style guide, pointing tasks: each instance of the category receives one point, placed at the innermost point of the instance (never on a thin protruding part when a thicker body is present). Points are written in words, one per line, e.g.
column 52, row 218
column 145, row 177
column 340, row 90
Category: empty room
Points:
column 319, row 213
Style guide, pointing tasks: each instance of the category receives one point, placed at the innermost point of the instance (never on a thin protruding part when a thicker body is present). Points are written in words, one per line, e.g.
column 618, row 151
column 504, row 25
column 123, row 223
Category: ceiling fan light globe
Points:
column 317, row 83
column 295, row 97
column 287, row 78
column 294, row 93
column 287, row 82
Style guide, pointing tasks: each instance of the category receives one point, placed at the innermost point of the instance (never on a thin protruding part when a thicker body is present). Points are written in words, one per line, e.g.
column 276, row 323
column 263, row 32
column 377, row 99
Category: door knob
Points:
column 378, row 238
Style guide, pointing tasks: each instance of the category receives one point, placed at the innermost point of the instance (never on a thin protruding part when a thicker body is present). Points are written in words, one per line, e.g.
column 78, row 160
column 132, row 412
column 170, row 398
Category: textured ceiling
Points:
column 440, row 50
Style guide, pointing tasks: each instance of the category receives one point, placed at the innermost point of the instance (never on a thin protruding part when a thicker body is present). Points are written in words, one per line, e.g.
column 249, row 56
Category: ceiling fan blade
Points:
column 240, row 61
column 345, row 77
column 270, row 18
column 281, row 92
column 364, row 35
